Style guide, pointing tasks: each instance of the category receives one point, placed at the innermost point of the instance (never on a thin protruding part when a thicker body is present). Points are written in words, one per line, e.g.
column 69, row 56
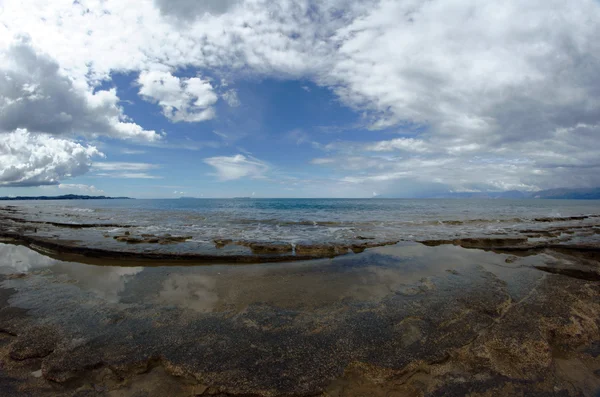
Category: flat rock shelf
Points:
column 407, row 319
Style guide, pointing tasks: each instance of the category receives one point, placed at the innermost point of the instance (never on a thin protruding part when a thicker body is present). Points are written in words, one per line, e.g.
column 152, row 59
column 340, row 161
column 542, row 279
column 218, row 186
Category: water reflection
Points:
column 194, row 292
column 106, row 282
column 403, row 270
column 19, row 259
column 406, row 269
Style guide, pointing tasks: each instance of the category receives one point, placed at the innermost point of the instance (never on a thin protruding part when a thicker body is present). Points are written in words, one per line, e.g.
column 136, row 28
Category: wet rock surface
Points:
column 151, row 239
column 405, row 320
column 56, row 238
column 98, row 236
column 483, row 243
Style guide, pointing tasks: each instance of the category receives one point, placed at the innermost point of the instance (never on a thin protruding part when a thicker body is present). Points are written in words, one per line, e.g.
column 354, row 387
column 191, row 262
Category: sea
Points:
column 318, row 220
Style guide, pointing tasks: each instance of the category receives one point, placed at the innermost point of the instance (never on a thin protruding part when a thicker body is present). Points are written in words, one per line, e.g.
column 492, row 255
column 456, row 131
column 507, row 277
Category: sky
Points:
column 298, row 98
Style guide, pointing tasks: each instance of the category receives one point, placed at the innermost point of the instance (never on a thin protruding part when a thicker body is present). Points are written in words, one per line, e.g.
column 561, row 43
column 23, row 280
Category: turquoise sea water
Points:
column 317, row 220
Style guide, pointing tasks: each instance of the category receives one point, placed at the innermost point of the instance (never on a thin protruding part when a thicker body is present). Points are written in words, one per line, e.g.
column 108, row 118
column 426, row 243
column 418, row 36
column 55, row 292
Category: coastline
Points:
column 512, row 314
column 572, row 235
column 468, row 321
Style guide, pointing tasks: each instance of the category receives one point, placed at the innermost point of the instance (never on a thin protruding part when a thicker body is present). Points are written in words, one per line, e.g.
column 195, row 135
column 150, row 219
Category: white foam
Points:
column 77, row 209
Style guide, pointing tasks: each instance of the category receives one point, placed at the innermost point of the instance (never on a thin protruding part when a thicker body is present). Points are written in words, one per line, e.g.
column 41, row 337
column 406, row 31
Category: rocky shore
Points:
column 57, row 238
column 514, row 314
column 574, row 235
column 402, row 320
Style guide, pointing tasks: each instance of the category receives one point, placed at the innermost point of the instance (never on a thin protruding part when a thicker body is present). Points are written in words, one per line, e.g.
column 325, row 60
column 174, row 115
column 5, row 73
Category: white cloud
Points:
column 89, row 40
column 460, row 64
column 484, row 83
column 123, row 166
column 181, row 99
column 190, row 9
column 132, row 151
column 566, row 158
column 125, row 170
column 128, row 175
column 406, row 144
column 238, row 166
column 39, row 159
column 134, row 175
column 77, row 187
column 36, row 96
column 231, row 97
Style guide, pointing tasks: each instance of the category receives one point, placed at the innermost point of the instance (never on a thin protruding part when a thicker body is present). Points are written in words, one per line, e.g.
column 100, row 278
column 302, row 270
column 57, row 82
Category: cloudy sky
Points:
column 298, row 98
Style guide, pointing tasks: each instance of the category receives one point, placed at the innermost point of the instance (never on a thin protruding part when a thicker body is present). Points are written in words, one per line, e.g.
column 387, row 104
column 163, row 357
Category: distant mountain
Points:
column 511, row 194
column 563, row 193
column 571, row 194
column 64, row 197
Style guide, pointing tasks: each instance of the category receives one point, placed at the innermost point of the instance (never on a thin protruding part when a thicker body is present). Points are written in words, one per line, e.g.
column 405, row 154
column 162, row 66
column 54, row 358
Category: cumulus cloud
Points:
column 238, row 166
column 506, row 88
column 452, row 63
column 566, row 158
column 190, row 9
column 258, row 36
column 36, row 96
column 181, row 99
column 80, row 188
column 39, row 159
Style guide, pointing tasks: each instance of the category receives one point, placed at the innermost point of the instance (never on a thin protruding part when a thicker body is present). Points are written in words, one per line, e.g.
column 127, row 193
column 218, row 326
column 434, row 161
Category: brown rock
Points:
column 220, row 243
column 270, row 248
column 36, row 342
column 321, row 250
column 151, row 239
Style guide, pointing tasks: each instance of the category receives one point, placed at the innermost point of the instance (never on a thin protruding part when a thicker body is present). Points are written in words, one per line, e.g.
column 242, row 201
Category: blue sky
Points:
column 285, row 124
column 282, row 123
column 297, row 98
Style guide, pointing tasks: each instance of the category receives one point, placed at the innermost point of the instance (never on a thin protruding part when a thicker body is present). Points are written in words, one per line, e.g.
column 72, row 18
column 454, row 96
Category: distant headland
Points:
column 561, row 193
column 64, row 197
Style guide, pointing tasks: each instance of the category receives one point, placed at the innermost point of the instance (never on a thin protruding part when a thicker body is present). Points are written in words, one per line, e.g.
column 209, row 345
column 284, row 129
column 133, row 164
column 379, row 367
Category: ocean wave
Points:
column 77, row 209
column 301, row 226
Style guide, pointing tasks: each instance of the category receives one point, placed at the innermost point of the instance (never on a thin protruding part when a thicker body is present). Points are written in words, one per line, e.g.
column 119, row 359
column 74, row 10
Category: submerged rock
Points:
column 220, row 243
column 321, row 250
column 151, row 239
column 348, row 327
column 361, row 247
column 36, row 342
column 483, row 242
column 269, row 248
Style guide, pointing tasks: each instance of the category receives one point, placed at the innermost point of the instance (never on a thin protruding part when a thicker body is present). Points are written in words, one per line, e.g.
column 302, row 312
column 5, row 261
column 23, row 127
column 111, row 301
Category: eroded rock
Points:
column 484, row 243
column 270, row 248
column 151, row 239
column 35, row 342
column 321, row 250
column 457, row 334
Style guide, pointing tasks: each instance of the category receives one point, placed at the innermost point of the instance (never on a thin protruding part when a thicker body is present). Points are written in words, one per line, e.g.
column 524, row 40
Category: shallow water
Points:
column 404, row 269
column 278, row 329
column 300, row 221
